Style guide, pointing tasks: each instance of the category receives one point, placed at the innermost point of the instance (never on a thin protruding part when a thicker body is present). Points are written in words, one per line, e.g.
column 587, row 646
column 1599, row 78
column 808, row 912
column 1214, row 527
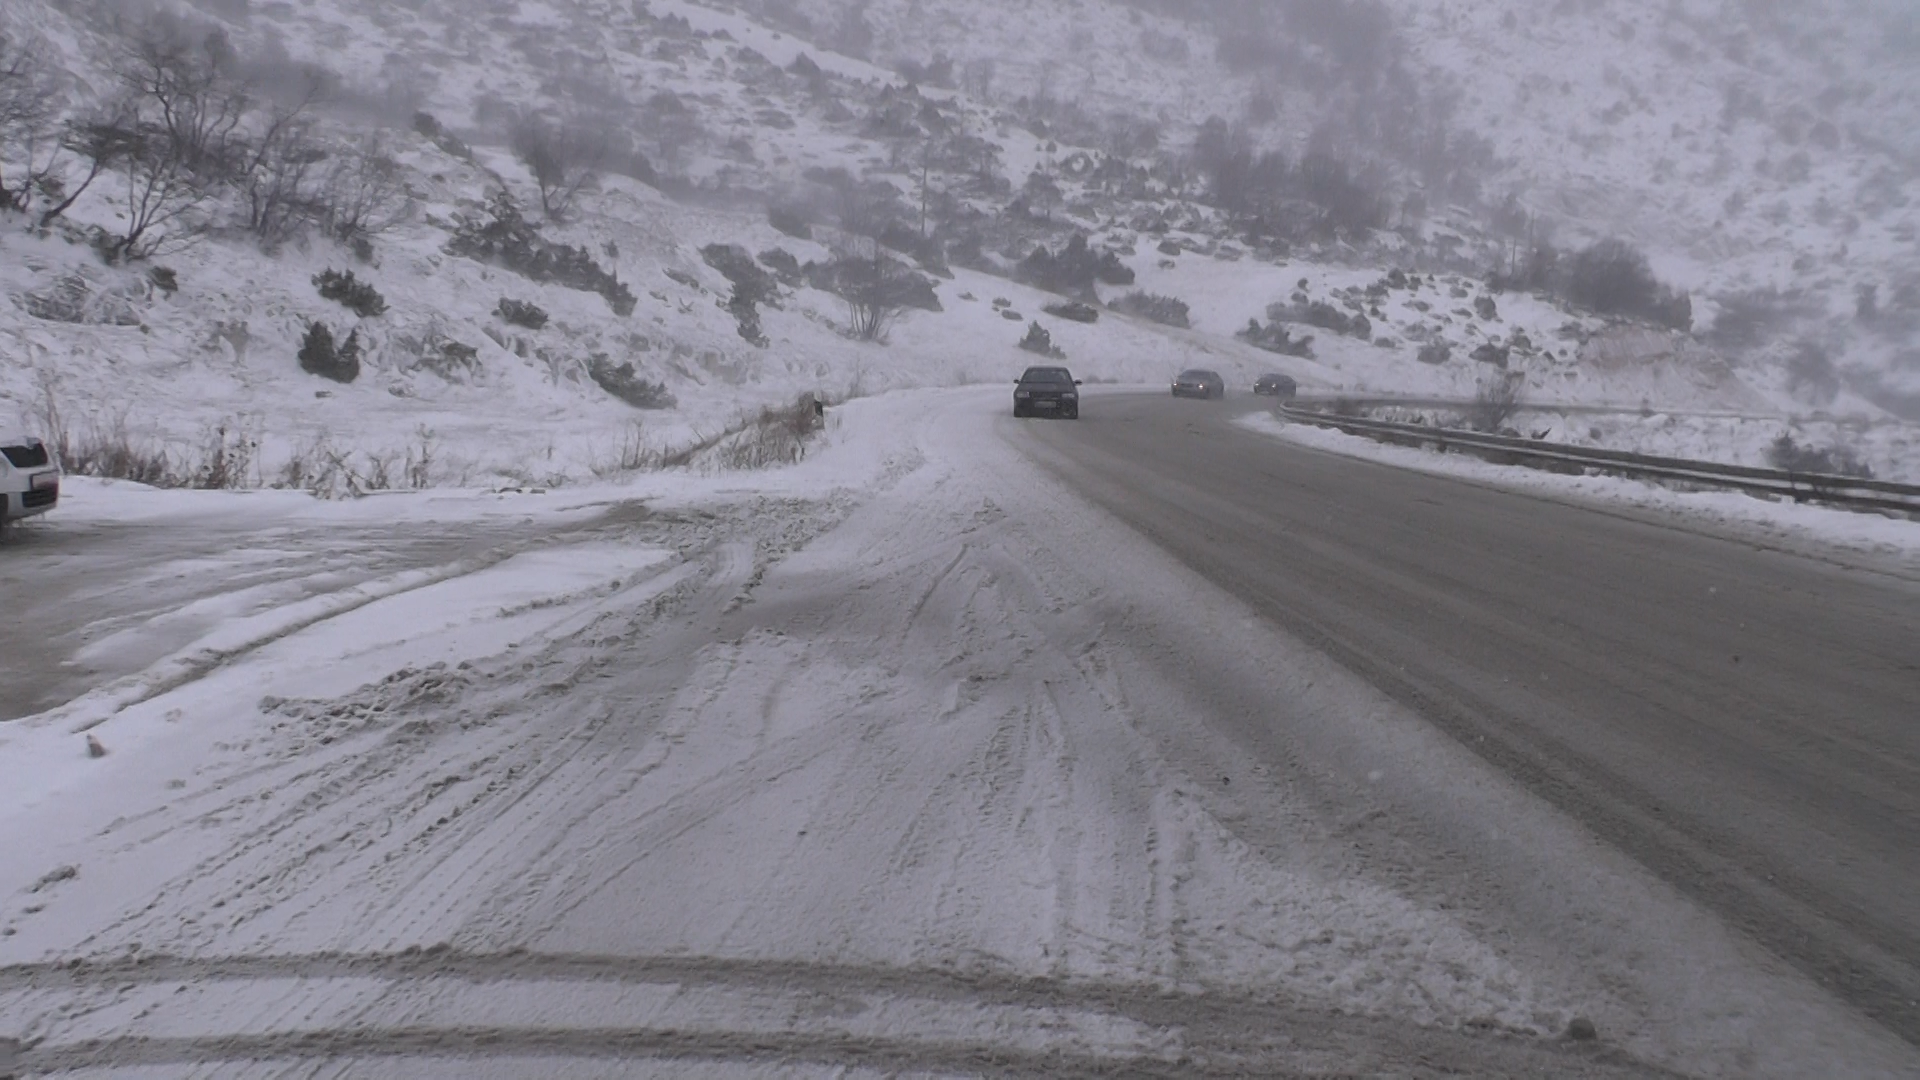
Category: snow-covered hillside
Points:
column 188, row 358
column 1749, row 148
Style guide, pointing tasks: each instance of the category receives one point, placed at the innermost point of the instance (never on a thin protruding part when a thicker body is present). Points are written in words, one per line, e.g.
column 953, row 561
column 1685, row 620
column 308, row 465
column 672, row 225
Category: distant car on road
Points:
column 29, row 480
column 1275, row 385
column 1046, row 391
column 1200, row 383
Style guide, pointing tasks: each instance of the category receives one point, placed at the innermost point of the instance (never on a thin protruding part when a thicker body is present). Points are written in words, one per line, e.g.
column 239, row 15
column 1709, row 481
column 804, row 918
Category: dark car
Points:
column 1046, row 391
column 1200, row 383
column 1275, row 385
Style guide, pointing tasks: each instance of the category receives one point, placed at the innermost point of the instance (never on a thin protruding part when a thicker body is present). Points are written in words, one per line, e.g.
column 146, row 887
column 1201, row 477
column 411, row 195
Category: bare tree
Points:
column 976, row 79
column 874, row 292
column 1495, row 401
column 279, row 172
column 672, row 126
column 100, row 142
column 282, row 184
column 1042, row 192
column 188, row 91
column 565, row 158
column 162, row 190
column 30, row 100
column 364, row 194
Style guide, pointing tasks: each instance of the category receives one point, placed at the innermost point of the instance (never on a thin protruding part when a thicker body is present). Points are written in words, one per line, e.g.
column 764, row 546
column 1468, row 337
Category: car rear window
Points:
column 25, row 457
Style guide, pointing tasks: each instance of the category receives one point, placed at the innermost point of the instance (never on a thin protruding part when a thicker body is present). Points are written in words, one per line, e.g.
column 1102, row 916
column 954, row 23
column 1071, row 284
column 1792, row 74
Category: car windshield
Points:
column 25, row 455
column 1047, row 375
column 1195, row 374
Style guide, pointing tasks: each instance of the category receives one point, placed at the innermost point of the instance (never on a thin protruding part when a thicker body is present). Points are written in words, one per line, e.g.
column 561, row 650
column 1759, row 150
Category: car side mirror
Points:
column 1076, row 382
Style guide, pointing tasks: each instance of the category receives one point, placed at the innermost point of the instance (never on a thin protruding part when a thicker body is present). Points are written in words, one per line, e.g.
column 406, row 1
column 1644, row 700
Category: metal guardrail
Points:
column 1850, row 491
column 1567, row 408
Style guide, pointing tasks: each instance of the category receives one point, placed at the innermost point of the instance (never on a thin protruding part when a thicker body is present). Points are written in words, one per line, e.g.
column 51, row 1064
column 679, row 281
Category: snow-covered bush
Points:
column 751, row 284
column 876, row 290
column 778, row 436
column 358, row 296
column 1323, row 315
column 510, row 241
column 1165, row 310
column 1038, row 340
column 789, row 220
column 1073, row 269
column 521, row 313
column 1612, row 277
column 1073, row 311
column 623, row 382
column 784, row 265
column 1276, row 338
column 319, row 355
column 1785, row 453
column 1495, row 401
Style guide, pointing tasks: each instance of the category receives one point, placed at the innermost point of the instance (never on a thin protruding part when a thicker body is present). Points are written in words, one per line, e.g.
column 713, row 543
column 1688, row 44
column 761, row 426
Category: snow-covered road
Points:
column 894, row 761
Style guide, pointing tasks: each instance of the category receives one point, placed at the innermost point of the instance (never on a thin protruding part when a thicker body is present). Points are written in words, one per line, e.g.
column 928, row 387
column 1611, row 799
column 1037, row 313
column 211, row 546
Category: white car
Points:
column 29, row 480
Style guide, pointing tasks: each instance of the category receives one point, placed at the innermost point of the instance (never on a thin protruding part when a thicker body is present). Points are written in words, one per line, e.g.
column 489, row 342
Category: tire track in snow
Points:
column 931, row 704
column 1208, row 1033
column 292, row 862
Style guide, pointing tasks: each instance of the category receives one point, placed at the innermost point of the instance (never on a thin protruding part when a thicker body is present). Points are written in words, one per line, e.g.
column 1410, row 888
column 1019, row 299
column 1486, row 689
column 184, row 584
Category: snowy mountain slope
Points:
column 212, row 362
column 722, row 104
column 1744, row 146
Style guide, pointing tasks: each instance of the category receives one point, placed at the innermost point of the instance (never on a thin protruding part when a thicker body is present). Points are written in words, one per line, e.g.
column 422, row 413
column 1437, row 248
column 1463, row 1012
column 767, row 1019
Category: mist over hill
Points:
column 551, row 221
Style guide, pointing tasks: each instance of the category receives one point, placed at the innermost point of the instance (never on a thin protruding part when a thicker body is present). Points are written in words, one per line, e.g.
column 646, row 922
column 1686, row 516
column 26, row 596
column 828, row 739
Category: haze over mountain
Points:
column 563, row 210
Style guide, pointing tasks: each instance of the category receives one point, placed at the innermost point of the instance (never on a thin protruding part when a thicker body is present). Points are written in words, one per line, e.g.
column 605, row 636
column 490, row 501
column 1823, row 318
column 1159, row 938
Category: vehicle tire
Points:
column 1019, row 413
column 1071, row 414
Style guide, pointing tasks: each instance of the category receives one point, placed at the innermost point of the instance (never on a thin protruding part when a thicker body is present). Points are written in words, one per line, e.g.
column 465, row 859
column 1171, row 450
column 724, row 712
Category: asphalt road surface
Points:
column 1743, row 722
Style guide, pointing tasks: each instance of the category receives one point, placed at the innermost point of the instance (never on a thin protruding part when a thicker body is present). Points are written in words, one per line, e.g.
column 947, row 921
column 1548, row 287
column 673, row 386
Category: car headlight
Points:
column 1022, row 393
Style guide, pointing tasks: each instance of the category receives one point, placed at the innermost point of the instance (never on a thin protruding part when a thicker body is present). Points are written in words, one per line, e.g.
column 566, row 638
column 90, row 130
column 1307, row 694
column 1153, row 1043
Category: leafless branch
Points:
column 565, row 157
column 31, row 101
column 364, row 194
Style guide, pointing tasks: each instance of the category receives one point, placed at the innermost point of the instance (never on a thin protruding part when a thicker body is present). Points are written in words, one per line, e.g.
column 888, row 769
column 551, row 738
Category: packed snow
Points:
column 831, row 750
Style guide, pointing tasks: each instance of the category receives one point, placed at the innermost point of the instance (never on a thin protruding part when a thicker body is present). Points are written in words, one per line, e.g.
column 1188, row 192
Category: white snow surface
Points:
column 886, row 711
